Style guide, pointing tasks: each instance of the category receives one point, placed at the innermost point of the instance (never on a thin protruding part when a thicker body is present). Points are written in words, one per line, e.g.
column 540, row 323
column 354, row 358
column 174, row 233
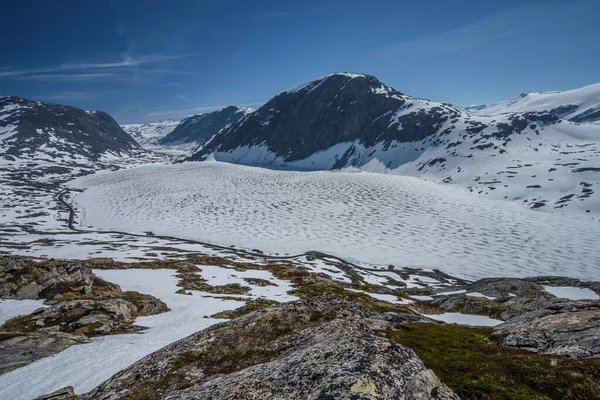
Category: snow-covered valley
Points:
column 370, row 218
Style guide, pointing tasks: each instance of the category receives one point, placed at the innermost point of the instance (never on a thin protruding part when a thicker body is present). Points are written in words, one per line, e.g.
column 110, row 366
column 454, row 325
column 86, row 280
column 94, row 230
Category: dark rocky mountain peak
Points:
column 199, row 128
column 338, row 108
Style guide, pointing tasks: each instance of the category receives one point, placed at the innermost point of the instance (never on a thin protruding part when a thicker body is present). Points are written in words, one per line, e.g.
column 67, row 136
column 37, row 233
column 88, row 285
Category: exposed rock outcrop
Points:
column 80, row 306
column 320, row 347
column 564, row 328
column 20, row 349
column 65, row 393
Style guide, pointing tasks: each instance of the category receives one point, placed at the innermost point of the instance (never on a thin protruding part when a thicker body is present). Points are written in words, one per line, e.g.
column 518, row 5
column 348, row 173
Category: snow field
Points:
column 373, row 218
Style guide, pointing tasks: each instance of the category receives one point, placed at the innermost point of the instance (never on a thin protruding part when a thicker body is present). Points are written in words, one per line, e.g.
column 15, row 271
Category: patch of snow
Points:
column 422, row 298
column 13, row 308
column 387, row 218
column 476, row 294
column 572, row 293
column 465, row 319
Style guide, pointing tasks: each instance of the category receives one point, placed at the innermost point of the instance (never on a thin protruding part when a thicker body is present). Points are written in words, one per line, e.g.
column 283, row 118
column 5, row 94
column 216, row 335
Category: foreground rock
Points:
column 535, row 319
column 321, row 347
column 564, row 328
column 79, row 306
column 65, row 393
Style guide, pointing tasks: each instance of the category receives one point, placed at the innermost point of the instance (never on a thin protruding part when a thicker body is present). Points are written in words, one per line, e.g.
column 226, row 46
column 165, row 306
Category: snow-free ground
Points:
column 371, row 218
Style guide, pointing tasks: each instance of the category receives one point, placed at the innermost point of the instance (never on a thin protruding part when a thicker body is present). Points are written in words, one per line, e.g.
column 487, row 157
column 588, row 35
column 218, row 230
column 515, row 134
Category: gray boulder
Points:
column 564, row 328
column 23, row 349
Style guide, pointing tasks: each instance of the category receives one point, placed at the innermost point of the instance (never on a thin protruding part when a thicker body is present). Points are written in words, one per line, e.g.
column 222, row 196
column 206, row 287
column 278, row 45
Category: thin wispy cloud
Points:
column 65, row 77
column 92, row 70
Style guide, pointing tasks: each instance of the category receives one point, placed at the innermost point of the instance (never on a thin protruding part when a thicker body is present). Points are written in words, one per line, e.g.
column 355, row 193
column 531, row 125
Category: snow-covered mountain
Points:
column 193, row 131
column 353, row 120
column 147, row 134
column 578, row 105
column 44, row 131
column 44, row 145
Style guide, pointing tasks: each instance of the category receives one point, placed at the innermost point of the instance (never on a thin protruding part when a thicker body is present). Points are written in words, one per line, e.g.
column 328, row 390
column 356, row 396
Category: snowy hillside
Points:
column 147, row 134
column 44, row 145
column 45, row 131
column 355, row 121
column 195, row 130
column 578, row 105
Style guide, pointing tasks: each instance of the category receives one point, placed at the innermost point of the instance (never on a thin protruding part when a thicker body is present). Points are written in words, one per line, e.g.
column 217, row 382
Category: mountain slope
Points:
column 578, row 105
column 195, row 130
column 352, row 120
column 44, row 145
column 36, row 130
column 335, row 109
column 147, row 134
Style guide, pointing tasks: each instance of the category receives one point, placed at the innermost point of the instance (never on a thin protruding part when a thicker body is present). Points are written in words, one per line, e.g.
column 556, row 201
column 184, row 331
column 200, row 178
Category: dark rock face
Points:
column 200, row 128
column 60, row 130
column 320, row 347
column 335, row 109
column 591, row 115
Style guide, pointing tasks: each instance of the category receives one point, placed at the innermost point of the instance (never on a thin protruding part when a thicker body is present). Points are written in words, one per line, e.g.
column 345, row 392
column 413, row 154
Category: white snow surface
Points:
column 584, row 98
column 147, row 134
column 465, row 319
column 216, row 275
column 377, row 219
column 572, row 293
column 13, row 308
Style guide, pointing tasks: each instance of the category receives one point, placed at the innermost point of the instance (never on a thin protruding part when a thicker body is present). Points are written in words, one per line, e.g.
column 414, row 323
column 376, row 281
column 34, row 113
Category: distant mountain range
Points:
column 349, row 120
column 541, row 149
column 198, row 129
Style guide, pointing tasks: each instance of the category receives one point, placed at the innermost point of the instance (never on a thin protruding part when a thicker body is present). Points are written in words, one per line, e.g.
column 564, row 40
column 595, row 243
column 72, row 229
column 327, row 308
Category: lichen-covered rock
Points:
column 501, row 298
column 564, row 328
column 341, row 359
column 65, row 393
column 23, row 278
column 320, row 347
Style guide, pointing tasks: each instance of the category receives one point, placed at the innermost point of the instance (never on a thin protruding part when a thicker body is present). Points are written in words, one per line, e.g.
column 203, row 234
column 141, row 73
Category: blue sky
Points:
column 149, row 60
